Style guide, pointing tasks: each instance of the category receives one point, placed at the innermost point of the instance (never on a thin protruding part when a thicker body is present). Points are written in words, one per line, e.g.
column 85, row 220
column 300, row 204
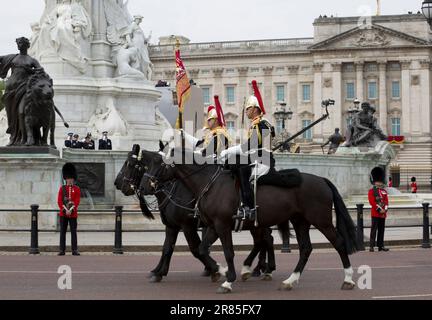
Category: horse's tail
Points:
column 145, row 210
column 344, row 224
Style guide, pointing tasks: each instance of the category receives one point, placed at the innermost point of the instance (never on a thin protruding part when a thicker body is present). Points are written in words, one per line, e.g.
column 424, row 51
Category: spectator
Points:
column 76, row 144
column 68, row 141
column 378, row 199
column 88, row 143
column 68, row 201
column 105, row 143
column 414, row 187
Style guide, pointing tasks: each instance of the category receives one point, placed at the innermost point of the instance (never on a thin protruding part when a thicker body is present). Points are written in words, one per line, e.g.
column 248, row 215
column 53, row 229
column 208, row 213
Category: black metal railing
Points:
column 119, row 212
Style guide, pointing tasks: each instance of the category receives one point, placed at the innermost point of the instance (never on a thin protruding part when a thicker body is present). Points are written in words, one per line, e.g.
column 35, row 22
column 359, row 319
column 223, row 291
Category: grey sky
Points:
column 221, row 20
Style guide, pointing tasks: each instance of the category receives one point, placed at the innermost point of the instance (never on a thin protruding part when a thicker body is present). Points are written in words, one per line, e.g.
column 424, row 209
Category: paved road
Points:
column 399, row 274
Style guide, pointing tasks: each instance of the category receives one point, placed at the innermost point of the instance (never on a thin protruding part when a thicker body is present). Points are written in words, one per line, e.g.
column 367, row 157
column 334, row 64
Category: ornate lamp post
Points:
column 427, row 11
column 282, row 115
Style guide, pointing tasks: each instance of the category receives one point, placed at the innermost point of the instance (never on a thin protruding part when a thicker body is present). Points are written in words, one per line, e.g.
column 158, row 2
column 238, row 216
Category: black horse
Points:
column 311, row 203
column 177, row 215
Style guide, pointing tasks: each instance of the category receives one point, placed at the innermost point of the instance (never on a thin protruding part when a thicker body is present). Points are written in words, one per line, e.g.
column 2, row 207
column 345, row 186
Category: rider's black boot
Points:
column 247, row 209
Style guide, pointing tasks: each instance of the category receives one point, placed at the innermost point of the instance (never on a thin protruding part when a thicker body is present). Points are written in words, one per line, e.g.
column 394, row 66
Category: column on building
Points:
column 292, row 98
column 218, row 85
column 337, row 114
column 243, row 92
column 317, row 101
column 425, row 78
column 406, row 98
column 359, row 65
column 268, row 87
column 383, row 108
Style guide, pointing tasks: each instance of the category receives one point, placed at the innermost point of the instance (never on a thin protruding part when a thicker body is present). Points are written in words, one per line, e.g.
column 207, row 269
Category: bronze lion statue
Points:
column 39, row 111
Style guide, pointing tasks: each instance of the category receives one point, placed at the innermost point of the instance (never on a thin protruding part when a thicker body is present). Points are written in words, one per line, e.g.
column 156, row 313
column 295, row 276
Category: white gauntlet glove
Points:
column 231, row 151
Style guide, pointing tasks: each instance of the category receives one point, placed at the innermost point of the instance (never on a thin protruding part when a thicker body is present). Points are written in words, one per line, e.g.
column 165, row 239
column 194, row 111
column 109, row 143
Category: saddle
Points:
column 284, row 179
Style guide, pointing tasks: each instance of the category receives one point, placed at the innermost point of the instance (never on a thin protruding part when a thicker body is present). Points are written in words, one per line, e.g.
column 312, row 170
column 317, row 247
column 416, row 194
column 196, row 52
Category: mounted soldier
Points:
column 216, row 138
column 258, row 147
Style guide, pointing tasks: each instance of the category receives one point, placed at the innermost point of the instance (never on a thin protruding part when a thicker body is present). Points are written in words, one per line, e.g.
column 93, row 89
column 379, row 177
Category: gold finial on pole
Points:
column 378, row 7
column 177, row 45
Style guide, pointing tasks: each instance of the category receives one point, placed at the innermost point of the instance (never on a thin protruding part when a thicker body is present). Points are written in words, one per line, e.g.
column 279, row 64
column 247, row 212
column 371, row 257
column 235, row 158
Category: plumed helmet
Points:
column 378, row 175
column 211, row 113
column 252, row 102
column 256, row 100
column 69, row 172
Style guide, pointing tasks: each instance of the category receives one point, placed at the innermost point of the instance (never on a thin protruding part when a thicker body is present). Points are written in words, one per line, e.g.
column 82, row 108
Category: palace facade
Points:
column 385, row 60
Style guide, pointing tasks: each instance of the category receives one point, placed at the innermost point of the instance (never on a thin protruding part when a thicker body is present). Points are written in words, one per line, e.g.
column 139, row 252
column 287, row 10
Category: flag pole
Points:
column 180, row 118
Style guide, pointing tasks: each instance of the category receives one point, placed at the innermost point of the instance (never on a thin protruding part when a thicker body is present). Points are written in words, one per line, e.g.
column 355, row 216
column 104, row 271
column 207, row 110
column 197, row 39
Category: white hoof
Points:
column 246, row 273
column 347, row 286
column 225, row 288
column 222, row 270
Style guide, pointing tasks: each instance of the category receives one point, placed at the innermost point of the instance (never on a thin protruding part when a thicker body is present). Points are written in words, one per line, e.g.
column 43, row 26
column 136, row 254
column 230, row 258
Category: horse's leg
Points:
column 162, row 269
column 225, row 235
column 208, row 240
column 270, row 266
column 206, row 272
column 262, row 263
column 247, row 272
column 337, row 241
column 194, row 243
column 302, row 229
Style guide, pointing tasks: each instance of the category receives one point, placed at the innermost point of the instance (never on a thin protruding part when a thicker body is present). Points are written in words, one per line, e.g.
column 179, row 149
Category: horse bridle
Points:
column 154, row 180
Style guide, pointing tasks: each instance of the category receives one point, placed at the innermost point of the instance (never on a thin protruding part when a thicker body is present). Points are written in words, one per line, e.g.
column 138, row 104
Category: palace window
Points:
column 372, row 90
column 350, row 91
column 371, row 67
column 206, row 95
column 230, row 95
column 231, row 128
column 348, row 67
column 306, row 88
column 396, row 127
column 308, row 134
column 280, row 93
column 395, row 89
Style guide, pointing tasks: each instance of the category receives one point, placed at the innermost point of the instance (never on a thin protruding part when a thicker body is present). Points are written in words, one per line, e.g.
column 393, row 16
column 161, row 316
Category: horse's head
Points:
column 158, row 171
column 130, row 175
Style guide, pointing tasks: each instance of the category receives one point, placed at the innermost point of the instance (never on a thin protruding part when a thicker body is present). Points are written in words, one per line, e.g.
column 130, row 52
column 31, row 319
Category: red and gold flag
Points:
column 183, row 86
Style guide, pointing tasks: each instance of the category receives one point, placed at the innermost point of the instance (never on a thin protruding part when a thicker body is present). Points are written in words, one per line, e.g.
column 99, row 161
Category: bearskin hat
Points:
column 378, row 175
column 413, row 179
column 69, row 172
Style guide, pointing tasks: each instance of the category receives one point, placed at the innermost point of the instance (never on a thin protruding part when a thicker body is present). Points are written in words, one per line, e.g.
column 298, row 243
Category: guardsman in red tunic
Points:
column 414, row 187
column 378, row 199
column 69, row 198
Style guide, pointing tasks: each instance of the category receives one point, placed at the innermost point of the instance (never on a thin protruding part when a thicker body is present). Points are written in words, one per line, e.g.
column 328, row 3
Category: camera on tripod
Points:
column 328, row 102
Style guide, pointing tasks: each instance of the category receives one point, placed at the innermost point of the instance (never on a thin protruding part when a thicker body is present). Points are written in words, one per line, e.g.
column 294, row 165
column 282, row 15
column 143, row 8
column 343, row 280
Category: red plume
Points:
column 258, row 96
column 219, row 112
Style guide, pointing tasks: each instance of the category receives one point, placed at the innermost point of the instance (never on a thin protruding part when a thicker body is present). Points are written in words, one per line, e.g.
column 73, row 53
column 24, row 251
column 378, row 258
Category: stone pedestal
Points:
column 349, row 169
column 27, row 179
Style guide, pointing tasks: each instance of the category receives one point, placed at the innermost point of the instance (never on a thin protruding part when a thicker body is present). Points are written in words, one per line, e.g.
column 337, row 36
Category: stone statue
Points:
column 365, row 130
column 108, row 118
column 130, row 51
column 288, row 147
column 335, row 141
column 65, row 32
column 28, row 99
